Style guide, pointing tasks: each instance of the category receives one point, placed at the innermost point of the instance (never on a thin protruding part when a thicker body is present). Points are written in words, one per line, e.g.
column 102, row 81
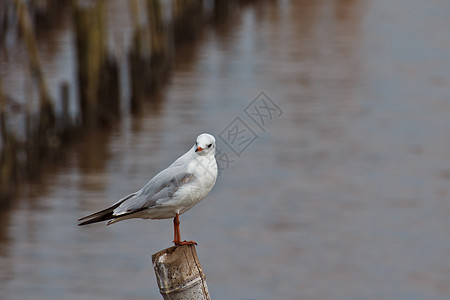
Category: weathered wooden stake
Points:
column 179, row 274
column 26, row 29
column 3, row 131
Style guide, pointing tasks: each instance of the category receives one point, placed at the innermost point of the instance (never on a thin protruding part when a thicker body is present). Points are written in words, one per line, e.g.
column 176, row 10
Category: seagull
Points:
column 171, row 192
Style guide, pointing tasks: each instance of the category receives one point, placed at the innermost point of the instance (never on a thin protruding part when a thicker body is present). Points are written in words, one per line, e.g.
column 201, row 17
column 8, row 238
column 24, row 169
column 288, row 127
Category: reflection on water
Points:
column 345, row 196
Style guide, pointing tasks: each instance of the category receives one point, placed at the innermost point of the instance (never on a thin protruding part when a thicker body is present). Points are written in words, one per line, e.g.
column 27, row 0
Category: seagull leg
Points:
column 176, row 232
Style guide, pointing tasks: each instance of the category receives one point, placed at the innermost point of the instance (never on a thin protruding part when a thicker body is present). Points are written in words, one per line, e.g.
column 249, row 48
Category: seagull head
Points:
column 205, row 144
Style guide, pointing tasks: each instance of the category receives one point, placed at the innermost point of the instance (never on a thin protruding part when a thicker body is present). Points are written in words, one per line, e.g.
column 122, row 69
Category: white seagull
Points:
column 171, row 192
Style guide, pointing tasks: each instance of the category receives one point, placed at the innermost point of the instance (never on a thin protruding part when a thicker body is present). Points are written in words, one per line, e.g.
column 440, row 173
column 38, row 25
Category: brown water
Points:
column 343, row 196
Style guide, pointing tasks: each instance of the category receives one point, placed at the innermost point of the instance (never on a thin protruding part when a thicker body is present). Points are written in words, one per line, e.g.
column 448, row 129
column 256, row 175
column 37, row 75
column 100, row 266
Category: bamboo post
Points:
column 139, row 57
column 26, row 30
column 45, row 135
column 91, row 51
column 3, row 131
column 221, row 9
column 187, row 18
column 64, row 125
column 8, row 155
column 159, row 59
column 179, row 274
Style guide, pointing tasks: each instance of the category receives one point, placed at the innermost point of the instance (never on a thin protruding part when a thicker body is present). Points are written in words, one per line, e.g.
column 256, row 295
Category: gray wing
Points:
column 157, row 191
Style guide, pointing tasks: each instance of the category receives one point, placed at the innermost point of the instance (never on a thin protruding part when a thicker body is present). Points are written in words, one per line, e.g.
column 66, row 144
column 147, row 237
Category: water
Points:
column 344, row 196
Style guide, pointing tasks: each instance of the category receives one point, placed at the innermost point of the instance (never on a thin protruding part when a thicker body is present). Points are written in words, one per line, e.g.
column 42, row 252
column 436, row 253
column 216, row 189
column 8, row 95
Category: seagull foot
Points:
column 185, row 243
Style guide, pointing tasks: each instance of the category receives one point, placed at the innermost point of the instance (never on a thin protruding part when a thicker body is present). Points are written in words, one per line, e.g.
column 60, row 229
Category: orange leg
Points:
column 176, row 233
column 176, row 230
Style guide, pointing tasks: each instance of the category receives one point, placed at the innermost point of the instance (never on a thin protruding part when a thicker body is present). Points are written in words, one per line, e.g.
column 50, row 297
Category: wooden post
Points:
column 3, row 130
column 26, row 30
column 179, row 274
column 90, row 44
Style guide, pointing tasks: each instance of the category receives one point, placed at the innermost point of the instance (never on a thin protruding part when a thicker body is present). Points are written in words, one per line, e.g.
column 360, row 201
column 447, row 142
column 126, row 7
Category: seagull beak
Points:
column 199, row 149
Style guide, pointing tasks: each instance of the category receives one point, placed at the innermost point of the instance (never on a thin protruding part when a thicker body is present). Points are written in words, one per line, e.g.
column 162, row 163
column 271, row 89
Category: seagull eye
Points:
column 209, row 146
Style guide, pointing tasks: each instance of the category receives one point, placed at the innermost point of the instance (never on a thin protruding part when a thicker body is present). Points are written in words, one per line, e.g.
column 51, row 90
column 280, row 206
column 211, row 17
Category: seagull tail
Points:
column 104, row 215
column 99, row 218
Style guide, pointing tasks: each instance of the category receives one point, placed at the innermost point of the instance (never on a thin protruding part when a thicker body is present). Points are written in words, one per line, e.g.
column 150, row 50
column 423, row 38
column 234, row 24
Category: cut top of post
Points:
column 179, row 273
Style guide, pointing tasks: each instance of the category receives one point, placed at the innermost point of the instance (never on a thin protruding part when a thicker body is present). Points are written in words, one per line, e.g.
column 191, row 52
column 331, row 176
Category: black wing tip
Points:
column 103, row 215
column 85, row 222
column 96, row 219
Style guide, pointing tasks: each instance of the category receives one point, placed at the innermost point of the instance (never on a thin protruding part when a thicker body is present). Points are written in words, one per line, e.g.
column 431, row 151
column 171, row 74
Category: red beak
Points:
column 199, row 149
